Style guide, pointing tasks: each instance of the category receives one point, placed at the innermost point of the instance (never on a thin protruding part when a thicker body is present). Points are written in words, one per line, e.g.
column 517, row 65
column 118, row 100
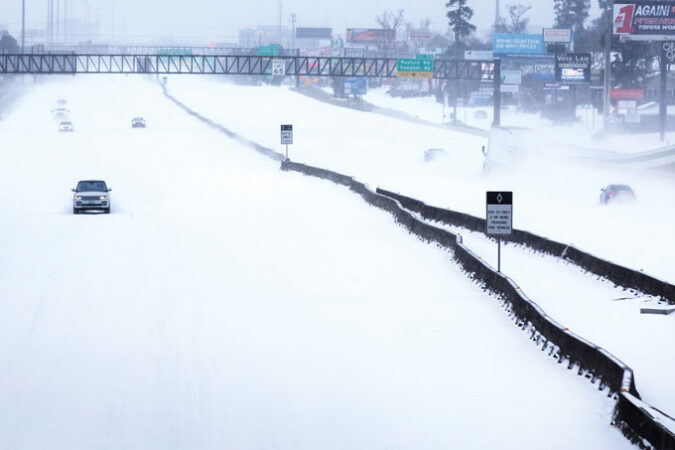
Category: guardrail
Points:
column 631, row 415
column 620, row 275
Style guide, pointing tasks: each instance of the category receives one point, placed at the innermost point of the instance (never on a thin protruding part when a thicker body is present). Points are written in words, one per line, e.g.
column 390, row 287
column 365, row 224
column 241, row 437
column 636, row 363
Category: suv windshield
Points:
column 84, row 186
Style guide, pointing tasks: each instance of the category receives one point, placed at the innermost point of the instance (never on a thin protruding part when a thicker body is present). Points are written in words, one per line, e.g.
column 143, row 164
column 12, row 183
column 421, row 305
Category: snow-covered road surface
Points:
column 225, row 304
column 554, row 195
column 593, row 308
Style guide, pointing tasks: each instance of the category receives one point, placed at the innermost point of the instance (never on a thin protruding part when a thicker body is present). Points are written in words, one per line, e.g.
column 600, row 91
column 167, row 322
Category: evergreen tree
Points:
column 571, row 14
column 458, row 18
column 8, row 44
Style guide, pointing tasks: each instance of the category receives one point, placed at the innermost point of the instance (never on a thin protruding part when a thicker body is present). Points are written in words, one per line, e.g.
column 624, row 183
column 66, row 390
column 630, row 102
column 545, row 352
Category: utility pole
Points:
column 49, row 21
column 58, row 11
column 607, row 81
column 295, row 53
column 280, row 8
column 496, row 13
column 23, row 26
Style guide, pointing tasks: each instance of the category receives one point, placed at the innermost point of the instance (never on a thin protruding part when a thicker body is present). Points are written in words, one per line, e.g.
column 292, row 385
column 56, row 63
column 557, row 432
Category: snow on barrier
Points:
column 231, row 134
column 639, row 422
column 622, row 276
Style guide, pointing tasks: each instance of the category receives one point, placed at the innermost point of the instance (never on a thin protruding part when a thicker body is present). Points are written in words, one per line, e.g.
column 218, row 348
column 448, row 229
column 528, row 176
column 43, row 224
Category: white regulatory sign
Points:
column 278, row 67
column 499, row 213
column 286, row 134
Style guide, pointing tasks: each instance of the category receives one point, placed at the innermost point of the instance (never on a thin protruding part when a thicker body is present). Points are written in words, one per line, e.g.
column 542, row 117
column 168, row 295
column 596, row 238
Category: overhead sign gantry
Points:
column 317, row 66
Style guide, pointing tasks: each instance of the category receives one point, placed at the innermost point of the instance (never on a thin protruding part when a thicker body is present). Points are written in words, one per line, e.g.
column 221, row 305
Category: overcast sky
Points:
column 211, row 20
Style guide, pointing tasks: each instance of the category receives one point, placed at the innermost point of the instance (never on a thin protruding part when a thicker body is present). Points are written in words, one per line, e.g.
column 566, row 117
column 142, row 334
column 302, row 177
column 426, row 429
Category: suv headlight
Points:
column 103, row 197
column 78, row 197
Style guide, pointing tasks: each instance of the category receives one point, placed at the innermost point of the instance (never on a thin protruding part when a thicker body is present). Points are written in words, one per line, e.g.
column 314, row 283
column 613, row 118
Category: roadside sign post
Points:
column 499, row 219
column 286, row 137
column 278, row 67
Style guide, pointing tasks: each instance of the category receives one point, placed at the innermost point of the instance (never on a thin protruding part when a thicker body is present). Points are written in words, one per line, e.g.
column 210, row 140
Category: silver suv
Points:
column 91, row 194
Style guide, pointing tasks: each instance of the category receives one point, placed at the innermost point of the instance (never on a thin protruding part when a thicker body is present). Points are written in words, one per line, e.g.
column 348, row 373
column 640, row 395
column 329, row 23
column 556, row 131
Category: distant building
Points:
column 265, row 35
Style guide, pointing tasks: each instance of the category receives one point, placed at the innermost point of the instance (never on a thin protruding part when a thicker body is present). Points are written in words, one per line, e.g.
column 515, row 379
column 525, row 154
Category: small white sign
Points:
column 557, row 36
column 510, row 88
column 286, row 134
column 278, row 67
column 478, row 55
column 499, row 213
column 512, row 77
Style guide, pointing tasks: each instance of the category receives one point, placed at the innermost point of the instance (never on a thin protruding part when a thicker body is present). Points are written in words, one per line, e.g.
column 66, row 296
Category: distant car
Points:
column 138, row 122
column 616, row 192
column 91, row 195
column 60, row 112
column 65, row 125
column 433, row 154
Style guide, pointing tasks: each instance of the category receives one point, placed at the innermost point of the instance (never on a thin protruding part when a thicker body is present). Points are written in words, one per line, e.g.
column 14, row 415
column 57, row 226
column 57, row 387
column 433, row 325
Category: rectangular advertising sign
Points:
column 573, row 67
column 644, row 19
column 313, row 33
column 557, row 35
column 518, row 44
column 369, row 35
column 636, row 94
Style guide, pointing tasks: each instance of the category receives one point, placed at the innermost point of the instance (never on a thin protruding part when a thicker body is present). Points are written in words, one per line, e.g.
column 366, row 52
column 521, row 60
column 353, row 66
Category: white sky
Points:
column 209, row 20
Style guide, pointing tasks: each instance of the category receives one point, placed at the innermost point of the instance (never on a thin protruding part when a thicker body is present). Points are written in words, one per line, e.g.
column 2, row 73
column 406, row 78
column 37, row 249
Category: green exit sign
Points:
column 268, row 50
column 415, row 68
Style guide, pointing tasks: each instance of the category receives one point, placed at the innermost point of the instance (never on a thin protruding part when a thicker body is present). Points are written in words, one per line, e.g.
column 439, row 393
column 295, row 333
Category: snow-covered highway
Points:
column 225, row 304
column 555, row 195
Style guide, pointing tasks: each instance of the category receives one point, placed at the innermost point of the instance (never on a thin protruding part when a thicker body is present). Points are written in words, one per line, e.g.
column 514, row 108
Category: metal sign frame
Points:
column 232, row 65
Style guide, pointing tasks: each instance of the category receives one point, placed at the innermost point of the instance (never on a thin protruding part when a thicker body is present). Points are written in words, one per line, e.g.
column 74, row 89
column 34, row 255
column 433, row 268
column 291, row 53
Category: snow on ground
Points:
column 554, row 196
column 594, row 309
column 587, row 132
column 227, row 304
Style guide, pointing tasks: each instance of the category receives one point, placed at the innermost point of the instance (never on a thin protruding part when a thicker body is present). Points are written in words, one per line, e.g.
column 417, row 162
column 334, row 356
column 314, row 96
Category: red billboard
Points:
column 633, row 94
column 369, row 35
column 644, row 19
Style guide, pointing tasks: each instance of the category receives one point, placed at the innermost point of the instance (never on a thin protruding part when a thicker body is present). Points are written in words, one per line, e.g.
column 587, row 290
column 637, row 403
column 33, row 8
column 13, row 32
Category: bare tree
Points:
column 517, row 23
column 390, row 20
column 517, row 19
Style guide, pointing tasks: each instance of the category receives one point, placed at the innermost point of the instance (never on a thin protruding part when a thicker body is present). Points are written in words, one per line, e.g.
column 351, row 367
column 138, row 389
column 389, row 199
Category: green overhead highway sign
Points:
column 424, row 56
column 268, row 50
column 415, row 68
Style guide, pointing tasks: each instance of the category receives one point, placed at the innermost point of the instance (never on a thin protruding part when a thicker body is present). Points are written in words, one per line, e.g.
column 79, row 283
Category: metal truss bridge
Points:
column 236, row 65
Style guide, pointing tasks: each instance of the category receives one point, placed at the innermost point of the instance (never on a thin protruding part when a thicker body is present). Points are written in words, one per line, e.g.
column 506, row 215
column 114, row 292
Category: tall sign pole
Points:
column 607, row 80
column 663, row 106
column 23, row 26
column 497, row 93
